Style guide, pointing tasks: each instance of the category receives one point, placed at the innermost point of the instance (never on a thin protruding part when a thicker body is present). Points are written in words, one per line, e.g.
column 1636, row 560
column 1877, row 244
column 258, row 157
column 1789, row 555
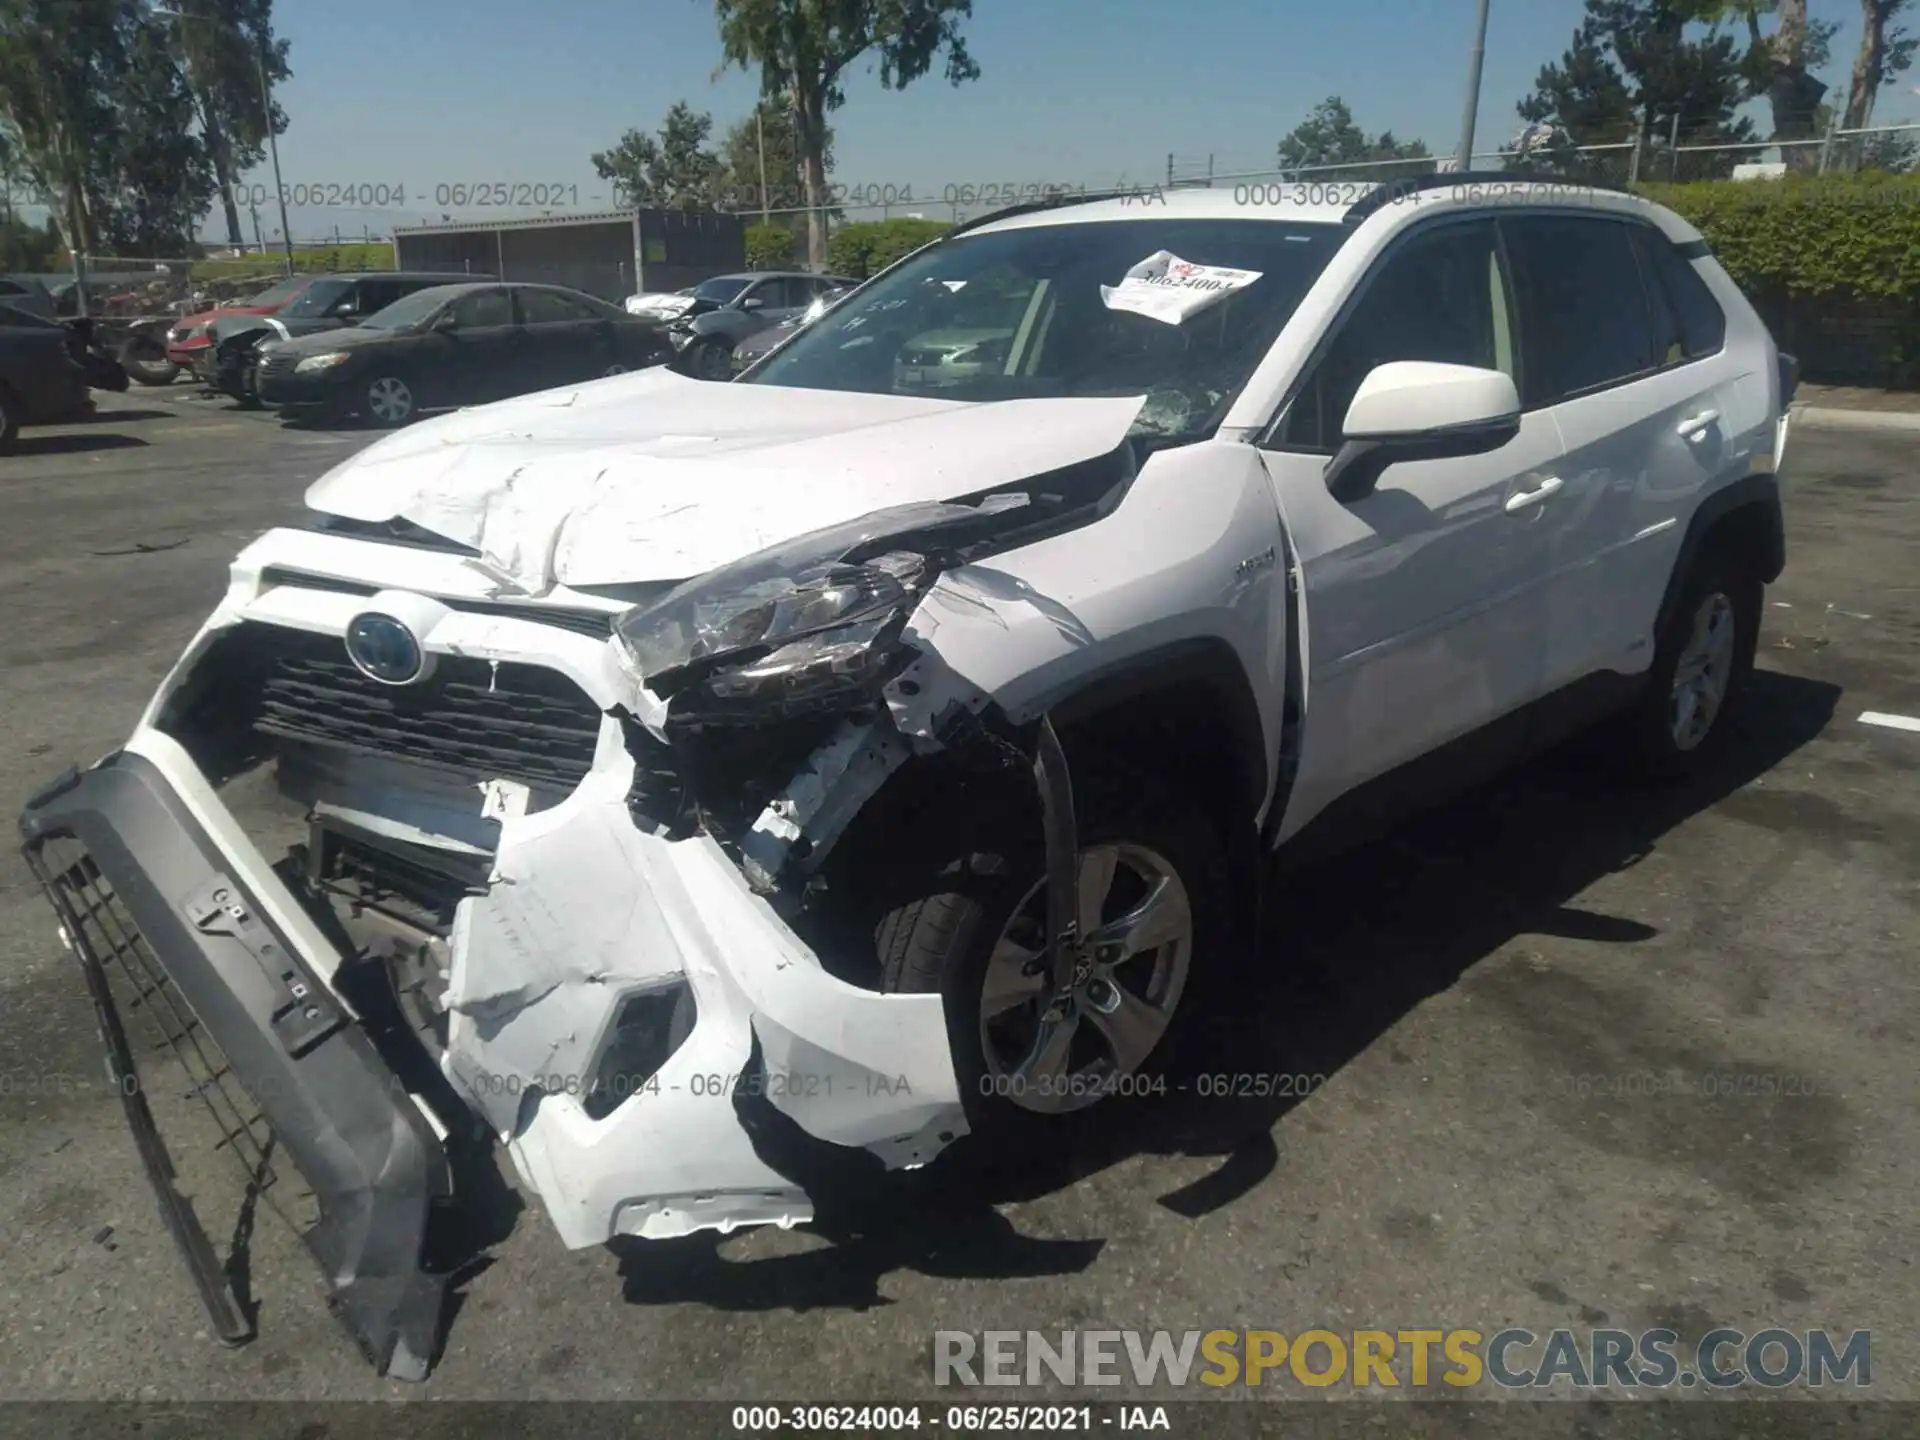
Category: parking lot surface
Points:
column 1478, row 990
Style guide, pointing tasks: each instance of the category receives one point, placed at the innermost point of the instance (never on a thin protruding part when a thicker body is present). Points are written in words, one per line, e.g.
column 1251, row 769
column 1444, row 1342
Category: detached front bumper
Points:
column 156, row 912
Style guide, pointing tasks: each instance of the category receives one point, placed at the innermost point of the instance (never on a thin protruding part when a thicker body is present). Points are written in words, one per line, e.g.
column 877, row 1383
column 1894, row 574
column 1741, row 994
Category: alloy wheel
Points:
column 1703, row 672
column 389, row 400
column 1058, row 1052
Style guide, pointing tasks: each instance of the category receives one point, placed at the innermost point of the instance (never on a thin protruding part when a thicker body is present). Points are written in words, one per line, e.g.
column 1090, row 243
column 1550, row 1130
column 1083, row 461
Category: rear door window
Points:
column 1585, row 318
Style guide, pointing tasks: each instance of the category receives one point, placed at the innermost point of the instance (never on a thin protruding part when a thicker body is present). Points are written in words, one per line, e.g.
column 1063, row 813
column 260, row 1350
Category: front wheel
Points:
column 387, row 401
column 711, row 360
column 1152, row 907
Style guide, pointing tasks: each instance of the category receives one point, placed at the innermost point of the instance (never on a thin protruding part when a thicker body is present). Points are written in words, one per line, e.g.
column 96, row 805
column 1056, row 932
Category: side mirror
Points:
column 753, row 302
column 444, row 322
column 1420, row 410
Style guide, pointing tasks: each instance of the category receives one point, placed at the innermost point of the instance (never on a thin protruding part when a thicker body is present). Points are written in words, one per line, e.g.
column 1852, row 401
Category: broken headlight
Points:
column 798, row 623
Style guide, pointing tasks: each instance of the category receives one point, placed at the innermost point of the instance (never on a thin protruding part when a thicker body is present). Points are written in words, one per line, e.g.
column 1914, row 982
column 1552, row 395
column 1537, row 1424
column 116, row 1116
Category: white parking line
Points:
column 1892, row 722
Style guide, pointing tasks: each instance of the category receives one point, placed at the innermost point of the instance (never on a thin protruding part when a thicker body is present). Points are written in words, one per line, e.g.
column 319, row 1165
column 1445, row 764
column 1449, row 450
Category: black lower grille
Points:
column 172, row 1076
column 508, row 720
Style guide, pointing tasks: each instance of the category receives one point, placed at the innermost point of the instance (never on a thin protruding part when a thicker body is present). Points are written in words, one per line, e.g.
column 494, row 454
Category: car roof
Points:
column 1328, row 202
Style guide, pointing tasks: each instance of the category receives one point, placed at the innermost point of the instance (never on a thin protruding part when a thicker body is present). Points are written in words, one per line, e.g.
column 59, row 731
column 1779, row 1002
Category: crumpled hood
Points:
column 655, row 476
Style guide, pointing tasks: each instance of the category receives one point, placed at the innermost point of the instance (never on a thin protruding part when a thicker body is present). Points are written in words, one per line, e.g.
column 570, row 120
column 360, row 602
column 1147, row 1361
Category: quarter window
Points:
column 1585, row 321
column 1702, row 323
column 1440, row 296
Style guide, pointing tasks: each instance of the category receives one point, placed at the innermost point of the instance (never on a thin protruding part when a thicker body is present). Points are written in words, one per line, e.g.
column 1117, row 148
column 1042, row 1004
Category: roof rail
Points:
column 1389, row 192
column 1053, row 202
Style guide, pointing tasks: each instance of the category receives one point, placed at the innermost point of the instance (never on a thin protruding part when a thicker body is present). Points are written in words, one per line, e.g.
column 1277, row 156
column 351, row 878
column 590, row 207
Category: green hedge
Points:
column 867, row 247
column 1809, row 235
column 769, row 247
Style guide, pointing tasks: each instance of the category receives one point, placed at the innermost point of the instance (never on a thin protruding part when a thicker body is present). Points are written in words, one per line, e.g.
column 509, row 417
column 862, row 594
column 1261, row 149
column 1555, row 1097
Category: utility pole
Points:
column 760, row 143
column 1463, row 158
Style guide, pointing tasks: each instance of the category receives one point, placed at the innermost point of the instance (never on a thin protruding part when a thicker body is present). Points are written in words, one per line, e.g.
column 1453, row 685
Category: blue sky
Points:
column 435, row 92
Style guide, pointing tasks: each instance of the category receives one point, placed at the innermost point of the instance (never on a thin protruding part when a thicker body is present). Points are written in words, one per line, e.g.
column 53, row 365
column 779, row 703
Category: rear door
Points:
column 1625, row 350
column 1422, row 599
column 566, row 341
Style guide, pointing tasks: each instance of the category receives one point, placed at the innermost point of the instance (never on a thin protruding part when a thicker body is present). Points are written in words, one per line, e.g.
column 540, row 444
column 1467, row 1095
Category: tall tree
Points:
column 1672, row 85
column 1886, row 50
column 60, row 62
column 156, row 177
column 1585, row 98
column 1328, row 136
column 1780, row 67
column 673, row 171
column 803, row 49
column 223, row 45
column 771, row 124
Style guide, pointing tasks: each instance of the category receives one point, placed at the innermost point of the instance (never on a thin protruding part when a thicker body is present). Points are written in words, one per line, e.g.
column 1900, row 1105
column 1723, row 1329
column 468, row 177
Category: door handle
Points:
column 1694, row 426
column 1527, row 499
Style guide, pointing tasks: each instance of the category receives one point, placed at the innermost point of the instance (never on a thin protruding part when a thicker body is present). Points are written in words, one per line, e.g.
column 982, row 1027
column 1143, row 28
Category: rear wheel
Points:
column 1152, row 905
column 387, row 401
column 1701, row 665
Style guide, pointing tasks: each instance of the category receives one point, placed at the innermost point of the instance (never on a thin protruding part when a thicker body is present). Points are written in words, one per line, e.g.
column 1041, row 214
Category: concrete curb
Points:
column 1822, row 418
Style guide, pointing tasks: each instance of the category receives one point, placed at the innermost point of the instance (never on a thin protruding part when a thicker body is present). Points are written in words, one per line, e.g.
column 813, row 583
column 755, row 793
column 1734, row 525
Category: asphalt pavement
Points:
column 1478, row 991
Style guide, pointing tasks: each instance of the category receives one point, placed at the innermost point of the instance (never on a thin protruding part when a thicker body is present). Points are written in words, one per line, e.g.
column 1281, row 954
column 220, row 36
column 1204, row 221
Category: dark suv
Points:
column 331, row 302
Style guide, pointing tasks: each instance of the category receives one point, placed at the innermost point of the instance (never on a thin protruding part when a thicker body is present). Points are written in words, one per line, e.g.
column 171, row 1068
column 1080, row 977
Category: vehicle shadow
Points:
column 71, row 444
column 116, row 416
column 1341, row 964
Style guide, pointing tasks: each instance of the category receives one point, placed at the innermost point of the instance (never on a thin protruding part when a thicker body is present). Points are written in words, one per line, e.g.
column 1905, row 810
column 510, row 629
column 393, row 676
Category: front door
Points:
column 480, row 358
column 567, row 341
column 1422, row 600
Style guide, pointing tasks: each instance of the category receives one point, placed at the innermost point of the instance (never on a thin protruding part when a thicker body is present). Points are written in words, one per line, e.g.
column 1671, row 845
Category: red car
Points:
column 190, row 341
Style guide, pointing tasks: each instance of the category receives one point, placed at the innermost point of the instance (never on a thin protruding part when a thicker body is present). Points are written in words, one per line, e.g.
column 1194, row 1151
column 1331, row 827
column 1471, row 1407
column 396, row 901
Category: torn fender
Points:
column 583, row 911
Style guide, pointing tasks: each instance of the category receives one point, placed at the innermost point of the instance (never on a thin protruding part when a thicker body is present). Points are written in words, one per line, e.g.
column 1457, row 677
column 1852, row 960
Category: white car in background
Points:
column 661, row 305
column 662, row 760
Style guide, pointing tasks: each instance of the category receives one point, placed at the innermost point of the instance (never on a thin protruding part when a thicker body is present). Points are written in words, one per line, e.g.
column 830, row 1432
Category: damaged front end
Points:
column 539, row 856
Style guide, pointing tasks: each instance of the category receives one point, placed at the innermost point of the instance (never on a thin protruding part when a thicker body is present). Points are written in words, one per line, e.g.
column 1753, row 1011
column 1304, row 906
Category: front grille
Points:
column 277, row 367
column 509, row 721
column 596, row 624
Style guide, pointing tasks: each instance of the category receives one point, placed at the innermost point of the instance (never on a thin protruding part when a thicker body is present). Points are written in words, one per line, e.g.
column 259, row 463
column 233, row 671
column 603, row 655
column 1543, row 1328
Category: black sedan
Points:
column 43, row 374
column 455, row 345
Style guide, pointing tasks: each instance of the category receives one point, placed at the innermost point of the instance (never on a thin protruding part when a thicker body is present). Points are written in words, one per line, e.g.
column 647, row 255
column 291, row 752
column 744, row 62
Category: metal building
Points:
column 609, row 253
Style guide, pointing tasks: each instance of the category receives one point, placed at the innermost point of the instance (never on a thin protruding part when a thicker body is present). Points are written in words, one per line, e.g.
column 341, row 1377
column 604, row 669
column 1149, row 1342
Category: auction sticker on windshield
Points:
column 1164, row 287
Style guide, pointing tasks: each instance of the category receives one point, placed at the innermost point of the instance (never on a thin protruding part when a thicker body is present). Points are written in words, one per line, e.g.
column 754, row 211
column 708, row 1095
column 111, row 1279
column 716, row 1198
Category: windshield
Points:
column 720, row 291
column 1021, row 313
column 316, row 299
column 280, row 290
column 407, row 310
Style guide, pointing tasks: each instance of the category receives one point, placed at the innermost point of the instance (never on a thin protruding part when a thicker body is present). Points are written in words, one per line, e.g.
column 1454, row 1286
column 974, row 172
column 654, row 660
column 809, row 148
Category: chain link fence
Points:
column 1662, row 154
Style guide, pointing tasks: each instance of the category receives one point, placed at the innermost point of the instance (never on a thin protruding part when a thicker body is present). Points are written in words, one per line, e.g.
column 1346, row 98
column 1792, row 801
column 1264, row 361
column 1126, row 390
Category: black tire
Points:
column 387, row 400
column 146, row 363
column 1716, row 578
column 9, row 420
column 940, row 939
column 710, row 360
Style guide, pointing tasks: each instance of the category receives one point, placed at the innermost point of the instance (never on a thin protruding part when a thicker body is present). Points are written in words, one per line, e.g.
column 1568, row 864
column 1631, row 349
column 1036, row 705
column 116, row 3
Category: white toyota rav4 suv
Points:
column 666, row 771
